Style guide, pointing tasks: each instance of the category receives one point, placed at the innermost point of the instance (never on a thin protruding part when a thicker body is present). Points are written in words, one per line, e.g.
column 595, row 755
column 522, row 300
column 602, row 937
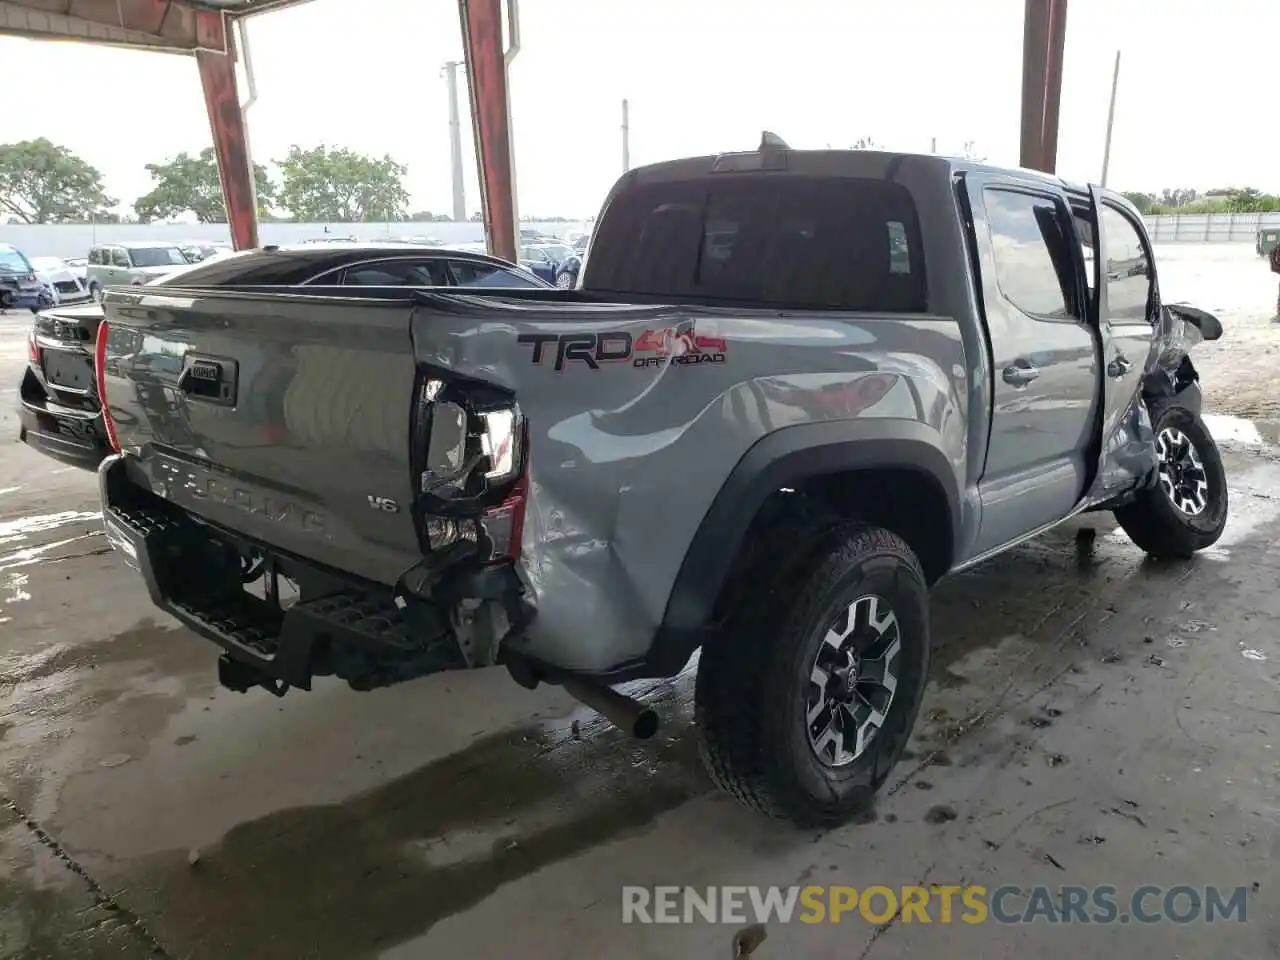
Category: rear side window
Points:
column 475, row 274
column 397, row 273
column 1032, row 258
column 837, row 243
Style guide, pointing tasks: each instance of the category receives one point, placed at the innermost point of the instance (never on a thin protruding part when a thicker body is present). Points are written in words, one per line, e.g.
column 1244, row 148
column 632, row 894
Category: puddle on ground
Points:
column 428, row 845
column 1228, row 429
column 15, row 531
column 14, row 588
column 40, row 554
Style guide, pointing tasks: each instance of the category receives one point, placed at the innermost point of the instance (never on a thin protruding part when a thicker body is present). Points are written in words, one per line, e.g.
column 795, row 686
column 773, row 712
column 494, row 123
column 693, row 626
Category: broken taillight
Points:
column 100, row 378
column 503, row 525
column 470, row 462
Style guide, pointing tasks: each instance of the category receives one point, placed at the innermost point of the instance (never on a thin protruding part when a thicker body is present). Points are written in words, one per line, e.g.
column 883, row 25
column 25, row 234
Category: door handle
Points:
column 1119, row 366
column 1019, row 375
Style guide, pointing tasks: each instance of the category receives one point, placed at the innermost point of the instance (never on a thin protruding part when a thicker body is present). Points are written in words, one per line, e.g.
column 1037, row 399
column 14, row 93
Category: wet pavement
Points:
column 1093, row 718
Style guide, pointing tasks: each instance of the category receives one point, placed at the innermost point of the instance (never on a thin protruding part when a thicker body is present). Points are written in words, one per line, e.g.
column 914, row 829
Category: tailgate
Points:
column 284, row 418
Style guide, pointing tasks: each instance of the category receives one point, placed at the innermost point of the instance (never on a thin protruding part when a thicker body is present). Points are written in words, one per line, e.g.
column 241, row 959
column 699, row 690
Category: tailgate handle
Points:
column 209, row 380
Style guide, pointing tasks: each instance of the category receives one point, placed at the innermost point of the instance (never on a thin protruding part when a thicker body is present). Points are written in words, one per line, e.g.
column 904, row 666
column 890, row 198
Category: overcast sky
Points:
column 1197, row 105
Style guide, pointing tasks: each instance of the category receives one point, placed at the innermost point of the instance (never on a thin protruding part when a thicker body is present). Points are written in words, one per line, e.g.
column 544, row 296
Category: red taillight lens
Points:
column 100, row 375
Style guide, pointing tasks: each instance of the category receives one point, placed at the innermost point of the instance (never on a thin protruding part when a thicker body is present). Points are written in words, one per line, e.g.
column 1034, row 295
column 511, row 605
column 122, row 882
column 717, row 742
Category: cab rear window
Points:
column 777, row 240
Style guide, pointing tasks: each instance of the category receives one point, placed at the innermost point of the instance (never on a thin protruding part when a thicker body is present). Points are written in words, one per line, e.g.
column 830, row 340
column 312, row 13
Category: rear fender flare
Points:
column 786, row 458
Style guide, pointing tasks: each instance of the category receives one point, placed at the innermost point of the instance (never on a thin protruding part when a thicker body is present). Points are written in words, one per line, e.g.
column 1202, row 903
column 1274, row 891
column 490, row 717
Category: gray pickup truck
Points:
column 793, row 390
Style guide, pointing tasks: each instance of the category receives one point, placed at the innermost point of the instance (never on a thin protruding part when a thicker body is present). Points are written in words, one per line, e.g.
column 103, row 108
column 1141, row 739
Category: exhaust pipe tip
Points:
column 624, row 712
column 645, row 725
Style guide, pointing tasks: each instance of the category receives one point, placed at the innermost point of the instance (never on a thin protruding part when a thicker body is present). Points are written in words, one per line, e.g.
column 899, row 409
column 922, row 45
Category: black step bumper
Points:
column 72, row 437
column 362, row 633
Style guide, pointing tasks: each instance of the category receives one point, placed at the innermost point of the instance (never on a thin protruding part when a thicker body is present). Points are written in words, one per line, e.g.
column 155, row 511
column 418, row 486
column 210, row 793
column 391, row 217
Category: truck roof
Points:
column 830, row 163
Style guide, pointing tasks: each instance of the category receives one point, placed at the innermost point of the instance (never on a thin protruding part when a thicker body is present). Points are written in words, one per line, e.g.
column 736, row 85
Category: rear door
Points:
column 1128, row 306
column 121, row 269
column 1045, row 358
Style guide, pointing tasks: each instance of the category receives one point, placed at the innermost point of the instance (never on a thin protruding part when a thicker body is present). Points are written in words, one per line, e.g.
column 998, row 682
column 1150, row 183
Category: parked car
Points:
column 124, row 264
column 78, row 266
column 197, row 250
column 1268, row 240
column 59, row 411
column 769, row 450
column 20, row 286
column 556, row 263
column 62, row 280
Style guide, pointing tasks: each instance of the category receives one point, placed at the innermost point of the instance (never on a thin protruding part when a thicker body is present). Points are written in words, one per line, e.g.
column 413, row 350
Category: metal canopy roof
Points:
column 176, row 26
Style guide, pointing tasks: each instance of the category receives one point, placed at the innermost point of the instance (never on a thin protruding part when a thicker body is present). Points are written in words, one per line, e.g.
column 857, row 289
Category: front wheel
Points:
column 806, row 697
column 1186, row 510
column 96, row 292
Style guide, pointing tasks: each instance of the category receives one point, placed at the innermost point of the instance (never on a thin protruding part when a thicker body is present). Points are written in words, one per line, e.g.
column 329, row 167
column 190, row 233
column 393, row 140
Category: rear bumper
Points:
column 71, row 437
column 341, row 626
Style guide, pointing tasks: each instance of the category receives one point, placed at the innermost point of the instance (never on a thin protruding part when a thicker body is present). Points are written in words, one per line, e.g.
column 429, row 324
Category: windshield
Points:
column 47, row 263
column 11, row 261
column 157, row 257
column 558, row 251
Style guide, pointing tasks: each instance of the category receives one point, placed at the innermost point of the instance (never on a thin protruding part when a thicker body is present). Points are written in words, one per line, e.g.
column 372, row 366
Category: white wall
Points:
column 75, row 239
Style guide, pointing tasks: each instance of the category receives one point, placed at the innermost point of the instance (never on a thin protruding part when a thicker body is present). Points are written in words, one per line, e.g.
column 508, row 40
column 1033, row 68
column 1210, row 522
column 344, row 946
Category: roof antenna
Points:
column 771, row 141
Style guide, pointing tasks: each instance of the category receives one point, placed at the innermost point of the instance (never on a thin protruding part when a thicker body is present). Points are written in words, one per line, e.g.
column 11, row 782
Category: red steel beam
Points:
column 226, row 121
column 1043, row 44
column 485, row 56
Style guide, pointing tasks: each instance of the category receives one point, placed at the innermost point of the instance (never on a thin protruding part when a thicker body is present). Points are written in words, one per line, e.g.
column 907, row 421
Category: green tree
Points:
column 41, row 182
column 190, row 184
column 337, row 185
column 1145, row 202
column 426, row 216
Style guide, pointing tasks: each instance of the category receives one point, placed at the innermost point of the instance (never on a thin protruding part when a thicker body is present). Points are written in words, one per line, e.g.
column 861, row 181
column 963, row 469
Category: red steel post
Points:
column 485, row 56
column 1043, row 43
column 217, row 64
column 1057, row 41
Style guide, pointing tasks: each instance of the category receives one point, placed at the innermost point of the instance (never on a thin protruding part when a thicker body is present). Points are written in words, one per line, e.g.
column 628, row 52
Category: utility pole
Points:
column 1111, row 119
column 933, row 145
column 626, row 136
column 450, row 70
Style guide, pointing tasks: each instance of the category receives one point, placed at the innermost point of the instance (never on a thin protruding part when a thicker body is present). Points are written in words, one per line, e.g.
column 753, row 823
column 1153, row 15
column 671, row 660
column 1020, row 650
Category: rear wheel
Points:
column 565, row 280
column 1186, row 510
column 807, row 697
column 96, row 292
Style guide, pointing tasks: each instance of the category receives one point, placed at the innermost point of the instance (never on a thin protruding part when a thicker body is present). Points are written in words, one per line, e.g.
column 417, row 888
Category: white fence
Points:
column 1211, row 227
column 75, row 239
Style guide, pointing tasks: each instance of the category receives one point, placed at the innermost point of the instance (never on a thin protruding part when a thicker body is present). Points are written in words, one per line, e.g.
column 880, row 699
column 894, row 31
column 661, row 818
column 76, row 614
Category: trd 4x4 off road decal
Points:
column 653, row 348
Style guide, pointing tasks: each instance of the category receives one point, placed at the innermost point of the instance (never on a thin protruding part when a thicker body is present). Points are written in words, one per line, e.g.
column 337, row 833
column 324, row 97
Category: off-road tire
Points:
column 1154, row 523
column 753, row 675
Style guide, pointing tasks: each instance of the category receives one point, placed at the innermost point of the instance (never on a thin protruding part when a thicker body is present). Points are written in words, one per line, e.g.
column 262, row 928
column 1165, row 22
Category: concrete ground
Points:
column 1093, row 718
